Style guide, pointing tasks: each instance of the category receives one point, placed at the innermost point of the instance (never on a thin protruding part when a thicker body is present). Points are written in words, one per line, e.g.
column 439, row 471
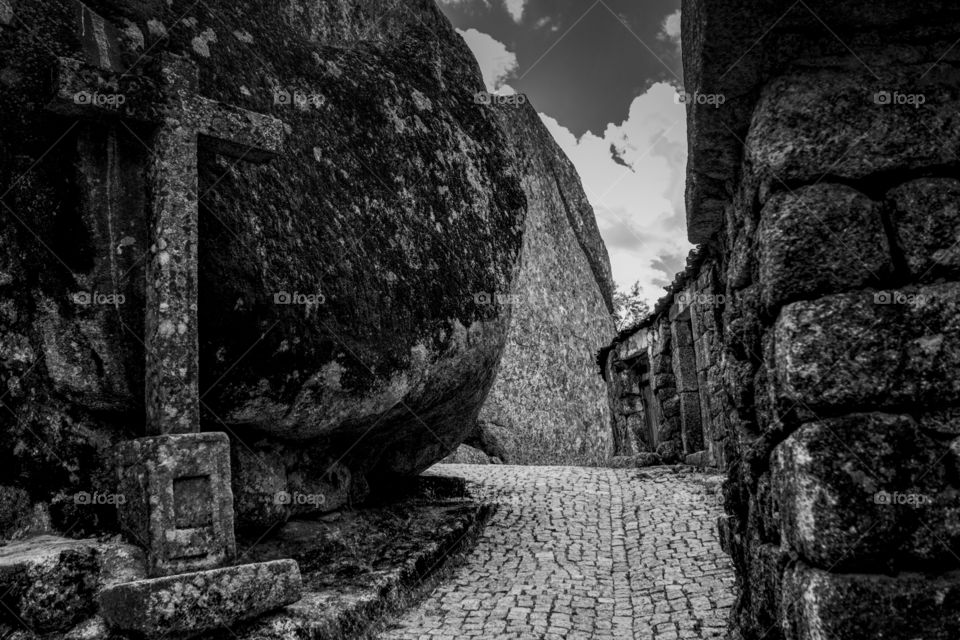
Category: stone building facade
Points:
column 663, row 374
column 824, row 190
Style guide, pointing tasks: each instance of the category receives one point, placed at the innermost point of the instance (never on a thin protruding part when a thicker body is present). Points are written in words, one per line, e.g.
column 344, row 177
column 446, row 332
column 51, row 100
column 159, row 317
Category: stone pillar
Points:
column 688, row 385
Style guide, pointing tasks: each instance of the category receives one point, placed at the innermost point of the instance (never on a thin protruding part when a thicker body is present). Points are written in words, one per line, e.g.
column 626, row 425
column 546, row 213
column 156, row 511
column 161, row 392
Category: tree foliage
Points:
column 630, row 307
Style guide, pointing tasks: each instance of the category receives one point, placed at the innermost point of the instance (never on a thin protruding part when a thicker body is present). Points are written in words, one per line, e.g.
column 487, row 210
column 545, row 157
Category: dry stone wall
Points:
column 826, row 189
column 665, row 373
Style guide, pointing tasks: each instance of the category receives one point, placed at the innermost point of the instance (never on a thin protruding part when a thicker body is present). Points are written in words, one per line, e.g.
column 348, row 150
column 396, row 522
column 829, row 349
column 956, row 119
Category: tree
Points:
column 629, row 307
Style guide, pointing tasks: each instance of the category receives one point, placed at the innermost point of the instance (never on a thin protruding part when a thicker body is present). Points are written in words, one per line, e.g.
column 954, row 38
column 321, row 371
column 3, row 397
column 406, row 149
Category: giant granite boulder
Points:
column 548, row 405
column 341, row 340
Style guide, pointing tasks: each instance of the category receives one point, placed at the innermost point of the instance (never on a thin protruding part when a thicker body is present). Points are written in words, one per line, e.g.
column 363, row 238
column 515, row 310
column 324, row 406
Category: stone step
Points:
column 49, row 582
column 182, row 605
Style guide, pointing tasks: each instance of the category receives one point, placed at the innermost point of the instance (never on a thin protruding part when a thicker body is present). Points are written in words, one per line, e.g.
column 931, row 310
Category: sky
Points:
column 604, row 75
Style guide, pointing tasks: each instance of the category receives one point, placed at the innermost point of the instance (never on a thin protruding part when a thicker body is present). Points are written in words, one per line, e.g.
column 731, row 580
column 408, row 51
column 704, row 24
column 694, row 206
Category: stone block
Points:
column 764, row 511
column 818, row 604
column 258, row 479
column 870, row 349
column 631, row 403
column 681, row 332
column 741, row 260
column 818, row 240
column 669, row 451
column 49, row 582
column 661, row 364
column 178, row 502
column 926, row 219
column 670, row 428
column 866, row 491
column 685, row 368
column 817, row 121
column 664, row 381
column 179, row 606
column 764, row 589
column 647, row 459
column 670, row 408
column 691, row 419
column 703, row 351
column 697, row 459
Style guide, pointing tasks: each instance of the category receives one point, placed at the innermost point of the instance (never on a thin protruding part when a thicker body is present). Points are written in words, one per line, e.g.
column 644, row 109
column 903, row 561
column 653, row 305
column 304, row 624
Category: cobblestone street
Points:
column 584, row 553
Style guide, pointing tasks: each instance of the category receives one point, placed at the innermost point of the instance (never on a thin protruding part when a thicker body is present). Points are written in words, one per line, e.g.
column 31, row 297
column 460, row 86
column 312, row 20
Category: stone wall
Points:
column 664, row 373
column 547, row 404
column 826, row 186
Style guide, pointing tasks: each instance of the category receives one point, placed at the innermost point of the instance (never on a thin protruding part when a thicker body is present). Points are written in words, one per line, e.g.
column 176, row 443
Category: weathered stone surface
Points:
column 190, row 603
column 15, row 512
column 817, row 604
column 926, row 219
column 817, row 240
column 867, row 491
column 733, row 48
column 692, row 432
column 763, row 591
column 271, row 484
column 177, row 500
column 670, row 451
column 871, row 349
column 811, row 96
column 348, row 265
column 49, row 583
column 886, row 499
column 835, row 121
column 548, row 405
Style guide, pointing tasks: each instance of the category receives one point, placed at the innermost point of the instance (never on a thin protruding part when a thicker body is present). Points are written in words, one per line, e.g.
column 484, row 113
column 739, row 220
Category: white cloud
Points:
column 497, row 63
column 515, row 9
column 670, row 29
column 640, row 207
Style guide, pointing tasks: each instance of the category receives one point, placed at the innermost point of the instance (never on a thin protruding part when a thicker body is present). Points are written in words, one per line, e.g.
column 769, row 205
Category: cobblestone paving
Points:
column 584, row 553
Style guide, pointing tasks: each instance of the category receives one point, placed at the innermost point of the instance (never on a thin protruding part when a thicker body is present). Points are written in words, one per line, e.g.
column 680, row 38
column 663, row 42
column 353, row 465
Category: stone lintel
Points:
column 184, row 605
